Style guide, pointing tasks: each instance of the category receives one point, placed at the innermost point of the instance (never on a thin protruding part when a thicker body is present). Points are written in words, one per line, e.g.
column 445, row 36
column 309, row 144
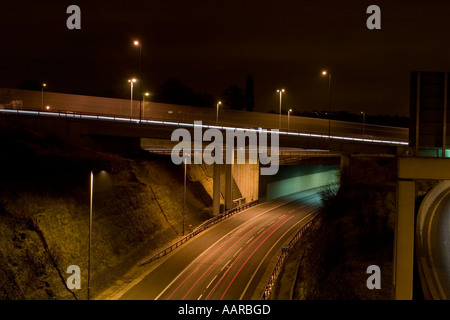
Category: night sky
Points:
column 210, row 45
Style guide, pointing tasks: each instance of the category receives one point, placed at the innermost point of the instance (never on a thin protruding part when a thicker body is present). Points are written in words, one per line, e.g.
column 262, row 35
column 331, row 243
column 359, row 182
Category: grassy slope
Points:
column 356, row 230
column 44, row 213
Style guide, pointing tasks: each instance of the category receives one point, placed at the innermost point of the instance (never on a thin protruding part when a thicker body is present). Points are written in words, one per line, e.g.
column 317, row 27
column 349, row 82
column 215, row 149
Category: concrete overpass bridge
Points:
column 127, row 126
column 130, row 126
column 128, row 118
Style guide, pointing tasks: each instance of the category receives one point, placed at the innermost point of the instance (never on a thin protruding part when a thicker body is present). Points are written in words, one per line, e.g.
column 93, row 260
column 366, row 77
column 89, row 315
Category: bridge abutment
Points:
column 404, row 241
column 228, row 186
column 246, row 177
column 216, row 189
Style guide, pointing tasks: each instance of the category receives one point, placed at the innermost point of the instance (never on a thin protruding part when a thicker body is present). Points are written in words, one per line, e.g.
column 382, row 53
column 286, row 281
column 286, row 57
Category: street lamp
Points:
column 184, row 196
column 131, row 81
column 324, row 73
column 42, row 104
column 91, row 199
column 281, row 91
column 147, row 94
column 217, row 112
column 289, row 112
column 138, row 43
column 90, row 234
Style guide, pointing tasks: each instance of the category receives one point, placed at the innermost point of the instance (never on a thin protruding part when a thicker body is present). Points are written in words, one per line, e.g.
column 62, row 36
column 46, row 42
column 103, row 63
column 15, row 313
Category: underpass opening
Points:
column 295, row 178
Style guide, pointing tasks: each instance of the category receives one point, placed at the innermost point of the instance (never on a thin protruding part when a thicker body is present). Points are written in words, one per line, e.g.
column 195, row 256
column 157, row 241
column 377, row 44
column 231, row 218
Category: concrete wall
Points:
column 247, row 179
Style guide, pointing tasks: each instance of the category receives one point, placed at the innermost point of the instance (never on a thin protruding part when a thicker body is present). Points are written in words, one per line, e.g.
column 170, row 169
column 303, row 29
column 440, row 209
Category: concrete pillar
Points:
column 228, row 186
column 404, row 241
column 216, row 189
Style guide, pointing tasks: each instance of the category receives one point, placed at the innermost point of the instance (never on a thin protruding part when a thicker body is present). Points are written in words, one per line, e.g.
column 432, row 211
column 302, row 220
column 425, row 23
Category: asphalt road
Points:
column 230, row 260
column 440, row 246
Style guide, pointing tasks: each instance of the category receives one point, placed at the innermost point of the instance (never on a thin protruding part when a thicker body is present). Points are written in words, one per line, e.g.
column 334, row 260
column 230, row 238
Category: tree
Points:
column 30, row 84
column 173, row 91
column 233, row 97
column 249, row 94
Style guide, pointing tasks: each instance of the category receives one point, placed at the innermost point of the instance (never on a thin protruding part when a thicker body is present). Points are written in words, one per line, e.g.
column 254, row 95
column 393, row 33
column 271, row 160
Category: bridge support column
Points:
column 216, row 189
column 228, row 186
column 404, row 241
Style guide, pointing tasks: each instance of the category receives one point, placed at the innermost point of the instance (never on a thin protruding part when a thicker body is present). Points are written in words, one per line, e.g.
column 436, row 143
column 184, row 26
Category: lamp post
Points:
column 184, row 193
column 91, row 199
column 324, row 73
column 147, row 94
column 289, row 113
column 90, row 234
column 184, row 197
column 42, row 102
column 281, row 91
column 217, row 112
column 131, row 81
column 138, row 43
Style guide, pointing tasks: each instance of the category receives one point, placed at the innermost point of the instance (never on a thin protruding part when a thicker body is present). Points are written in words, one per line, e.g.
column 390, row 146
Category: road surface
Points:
column 230, row 260
column 439, row 245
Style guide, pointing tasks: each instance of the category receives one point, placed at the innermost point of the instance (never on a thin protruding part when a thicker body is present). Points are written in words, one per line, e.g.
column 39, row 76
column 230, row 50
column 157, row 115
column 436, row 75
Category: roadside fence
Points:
column 283, row 255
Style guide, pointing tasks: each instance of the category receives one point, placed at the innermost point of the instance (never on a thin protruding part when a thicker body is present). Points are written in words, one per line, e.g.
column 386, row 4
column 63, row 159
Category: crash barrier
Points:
column 285, row 251
column 204, row 226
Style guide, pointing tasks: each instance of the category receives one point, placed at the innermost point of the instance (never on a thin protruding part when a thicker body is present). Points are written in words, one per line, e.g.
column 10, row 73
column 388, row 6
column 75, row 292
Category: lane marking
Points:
column 226, row 265
column 263, row 259
column 303, row 196
column 204, row 252
column 235, row 261
column 298, row 208
column 211, row 265
column 204, row 260
column 242, row 266
column 211, row 281
column 235, row 254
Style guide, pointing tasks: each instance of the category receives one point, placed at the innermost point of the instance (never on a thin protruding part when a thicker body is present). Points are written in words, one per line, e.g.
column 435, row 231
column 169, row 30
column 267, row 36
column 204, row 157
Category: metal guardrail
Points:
column 204, row 226
column 282, row 257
